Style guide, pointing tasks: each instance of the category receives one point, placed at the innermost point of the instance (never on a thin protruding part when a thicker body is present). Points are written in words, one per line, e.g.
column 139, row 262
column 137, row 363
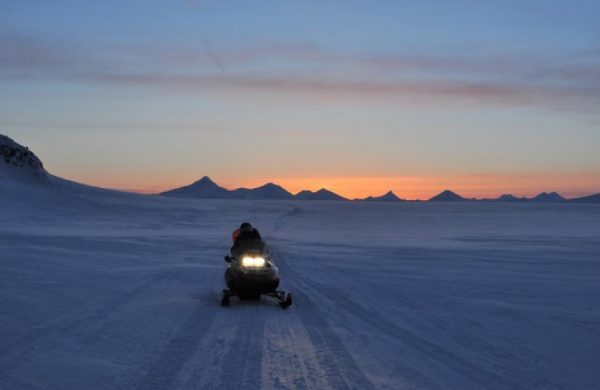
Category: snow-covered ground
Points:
column 118, row 291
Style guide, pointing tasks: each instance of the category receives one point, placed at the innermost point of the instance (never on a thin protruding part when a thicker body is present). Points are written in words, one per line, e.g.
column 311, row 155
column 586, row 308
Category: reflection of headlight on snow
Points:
column 253, row 262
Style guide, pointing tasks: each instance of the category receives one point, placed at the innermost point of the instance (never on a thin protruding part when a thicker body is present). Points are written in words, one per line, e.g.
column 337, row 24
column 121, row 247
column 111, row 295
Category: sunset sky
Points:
column 361, row 97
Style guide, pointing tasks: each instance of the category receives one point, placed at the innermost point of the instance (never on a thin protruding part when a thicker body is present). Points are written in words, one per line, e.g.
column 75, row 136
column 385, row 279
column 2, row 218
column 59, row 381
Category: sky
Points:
column 361, row 97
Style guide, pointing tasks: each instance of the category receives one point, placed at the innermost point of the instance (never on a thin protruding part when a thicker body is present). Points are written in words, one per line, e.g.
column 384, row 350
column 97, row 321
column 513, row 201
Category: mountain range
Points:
column 387, row 197
column 205, row 188
column 18, row 163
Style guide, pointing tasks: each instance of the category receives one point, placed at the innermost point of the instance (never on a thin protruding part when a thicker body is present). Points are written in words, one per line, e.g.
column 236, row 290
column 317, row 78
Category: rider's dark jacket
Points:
column 248, row 235
column 250, row 239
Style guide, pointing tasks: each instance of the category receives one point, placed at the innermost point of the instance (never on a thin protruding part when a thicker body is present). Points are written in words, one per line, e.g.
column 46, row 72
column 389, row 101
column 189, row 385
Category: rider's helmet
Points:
column 245, row 227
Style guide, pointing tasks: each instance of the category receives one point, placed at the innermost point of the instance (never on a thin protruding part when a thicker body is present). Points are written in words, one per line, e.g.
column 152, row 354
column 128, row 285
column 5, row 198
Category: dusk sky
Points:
column 482, row 97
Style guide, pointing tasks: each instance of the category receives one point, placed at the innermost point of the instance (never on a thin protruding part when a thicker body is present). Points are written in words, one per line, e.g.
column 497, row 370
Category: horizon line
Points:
column 155, row 191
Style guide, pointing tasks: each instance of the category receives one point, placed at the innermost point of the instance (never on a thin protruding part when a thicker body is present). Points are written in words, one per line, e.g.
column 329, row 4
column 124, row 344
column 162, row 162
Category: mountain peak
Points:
column 205, row 180
column 266, row 191
column 509, row 198
column 270, row 185
column 549, row 197
column 447, row 196
column 203, row 188
column 387, row 197
column 321, row 194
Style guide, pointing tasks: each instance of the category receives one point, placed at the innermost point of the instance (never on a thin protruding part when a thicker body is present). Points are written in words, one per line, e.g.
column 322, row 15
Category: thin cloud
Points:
column 308, row 70
column 565, row 98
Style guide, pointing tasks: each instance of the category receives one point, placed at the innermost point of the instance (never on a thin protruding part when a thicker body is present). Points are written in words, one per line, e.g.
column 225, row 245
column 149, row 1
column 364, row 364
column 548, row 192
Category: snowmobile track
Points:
column 341, row 370
column 445, row 357
column 453, row 361
column 164, row 370
column 243, row 362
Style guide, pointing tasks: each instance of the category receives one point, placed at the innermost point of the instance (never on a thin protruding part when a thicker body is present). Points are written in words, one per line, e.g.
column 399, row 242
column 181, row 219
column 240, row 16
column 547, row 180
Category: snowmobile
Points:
column 251, row 274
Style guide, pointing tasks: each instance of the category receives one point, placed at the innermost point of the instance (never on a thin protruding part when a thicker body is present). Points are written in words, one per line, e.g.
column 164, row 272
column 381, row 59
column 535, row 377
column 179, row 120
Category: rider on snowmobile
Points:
column 250, row 273
column 245, row 232
column 246, row 236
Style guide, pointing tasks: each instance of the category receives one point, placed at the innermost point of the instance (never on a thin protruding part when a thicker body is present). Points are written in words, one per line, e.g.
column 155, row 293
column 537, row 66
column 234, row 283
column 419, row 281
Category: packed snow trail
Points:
column 106, row 290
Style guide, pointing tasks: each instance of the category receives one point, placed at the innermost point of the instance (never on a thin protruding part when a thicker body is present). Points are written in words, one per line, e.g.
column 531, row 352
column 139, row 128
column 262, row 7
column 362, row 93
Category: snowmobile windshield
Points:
column 252, row 248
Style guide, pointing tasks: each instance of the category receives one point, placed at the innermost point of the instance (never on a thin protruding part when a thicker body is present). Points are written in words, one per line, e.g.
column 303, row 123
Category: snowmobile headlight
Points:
column 253, row 261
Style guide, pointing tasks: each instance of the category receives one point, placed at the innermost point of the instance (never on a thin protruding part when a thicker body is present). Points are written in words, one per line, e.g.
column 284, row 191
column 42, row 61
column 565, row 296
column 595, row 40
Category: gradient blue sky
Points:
column 480, row 96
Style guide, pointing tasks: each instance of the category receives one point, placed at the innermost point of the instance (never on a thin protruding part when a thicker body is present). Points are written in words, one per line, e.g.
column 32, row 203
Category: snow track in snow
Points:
column 339, row 368
column 242, row 369
column 164, row 370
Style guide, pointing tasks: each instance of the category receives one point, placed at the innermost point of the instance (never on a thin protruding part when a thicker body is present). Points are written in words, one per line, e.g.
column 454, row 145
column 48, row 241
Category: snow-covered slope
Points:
column 587, row 199
column 25, row 185
column 121, row 292
column 17, row 162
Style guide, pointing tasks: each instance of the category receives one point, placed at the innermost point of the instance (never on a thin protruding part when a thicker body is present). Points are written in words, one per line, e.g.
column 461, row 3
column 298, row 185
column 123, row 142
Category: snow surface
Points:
column 100, row 289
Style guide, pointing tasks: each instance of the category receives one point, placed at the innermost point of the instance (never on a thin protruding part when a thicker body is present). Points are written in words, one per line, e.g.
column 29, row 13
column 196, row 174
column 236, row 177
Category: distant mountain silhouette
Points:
column 552, row 197
column 387, row 197
column 267, row 191
column 322, row 194
column 447, row 196
column 19, row 164
column 204, row 188
column 509, row 198
column 587, row 199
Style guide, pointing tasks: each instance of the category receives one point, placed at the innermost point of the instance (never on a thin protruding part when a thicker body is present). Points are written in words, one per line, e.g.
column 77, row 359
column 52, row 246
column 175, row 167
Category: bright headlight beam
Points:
column 253, row 261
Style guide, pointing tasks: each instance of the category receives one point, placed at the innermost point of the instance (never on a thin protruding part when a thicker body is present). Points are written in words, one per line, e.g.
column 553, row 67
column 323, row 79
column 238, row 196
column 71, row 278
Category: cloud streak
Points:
column 305, row 70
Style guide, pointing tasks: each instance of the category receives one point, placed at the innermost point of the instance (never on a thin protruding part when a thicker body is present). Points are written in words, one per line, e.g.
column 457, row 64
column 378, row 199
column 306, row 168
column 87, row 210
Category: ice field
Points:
column 108, row 290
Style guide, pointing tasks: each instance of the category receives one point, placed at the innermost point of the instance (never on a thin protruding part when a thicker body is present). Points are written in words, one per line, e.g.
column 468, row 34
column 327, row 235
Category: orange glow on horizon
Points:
column 425, row 187
column 406, row 187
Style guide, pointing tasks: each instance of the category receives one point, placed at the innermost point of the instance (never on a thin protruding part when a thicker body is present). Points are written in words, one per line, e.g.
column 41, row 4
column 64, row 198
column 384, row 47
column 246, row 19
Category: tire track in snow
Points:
column 179, row 350
column 340, row 368
column 506, row 374
column 422, row 378
column 289, row 360
column 243, row 361
column 475, row 373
